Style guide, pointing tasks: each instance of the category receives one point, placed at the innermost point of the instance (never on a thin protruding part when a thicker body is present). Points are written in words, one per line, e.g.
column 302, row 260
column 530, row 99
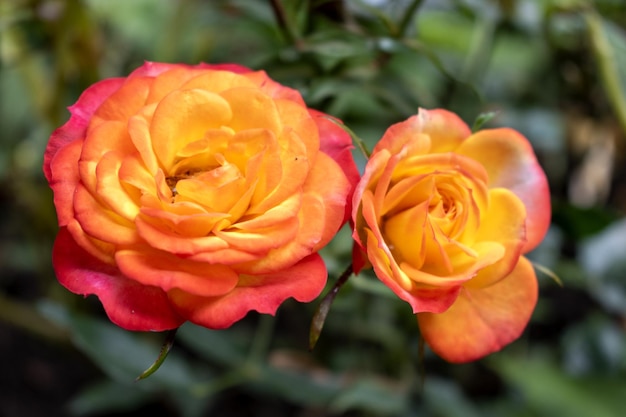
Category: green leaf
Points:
column 602, row 257
column 445, row 398
column 595, row 345
column 317, row 323
column 548, row 391
column 374, row 396
column 224, row 347
column 121, row 354
column 483, row 118
column 107, row 397
column 297, row 386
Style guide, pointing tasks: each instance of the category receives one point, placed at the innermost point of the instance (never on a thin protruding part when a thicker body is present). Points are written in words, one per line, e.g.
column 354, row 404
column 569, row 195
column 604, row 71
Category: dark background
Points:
column 553, row 69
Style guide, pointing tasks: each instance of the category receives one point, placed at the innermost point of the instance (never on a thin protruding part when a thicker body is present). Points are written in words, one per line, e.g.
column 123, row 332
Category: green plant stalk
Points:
column 26, row 317
column 319, row 318
column 262, row 339
column 408, row 17
column 481, row 48
column 284, row 24
column 609, row 74
column 360, row 144
column 165, row 349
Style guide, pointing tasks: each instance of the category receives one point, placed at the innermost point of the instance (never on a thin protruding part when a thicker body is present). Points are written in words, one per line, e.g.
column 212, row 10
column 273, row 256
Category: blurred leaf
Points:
column 548, row 392
column 577, row 222
column 298, row 387
column 609, row 46
column 374, row 396
column 224, row 347
column 482, row 119
column 134, row 20
column 602, row 256
column 596, row 345
column 108, row 397
column 514, row 65
column 434, row 29
column 332, row 47
column 446, row 399
column 550, row 273
column 119, row 353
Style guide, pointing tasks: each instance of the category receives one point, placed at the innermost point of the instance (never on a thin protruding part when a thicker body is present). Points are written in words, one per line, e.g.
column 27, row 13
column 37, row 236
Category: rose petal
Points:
column 446, row 129
column 263, row 293
column 111, row 191
column 218, row 81
column 334, row 195
column 81, row 113
column 251, row 109
column 100, row 222
column 510, row 162
column 182, row 117
column 166, row 271
column 62, row 169
column 128, row 304
column 311, row 221
column 430, row 131
column 337, row 143
column 502, row 222
column 124, row 102
column 484, row 320
column 153, row 69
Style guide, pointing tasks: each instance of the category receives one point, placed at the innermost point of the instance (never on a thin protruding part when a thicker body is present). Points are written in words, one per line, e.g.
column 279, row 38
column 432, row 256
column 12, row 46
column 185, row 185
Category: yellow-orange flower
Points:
column 444, row 217
column 195, row 193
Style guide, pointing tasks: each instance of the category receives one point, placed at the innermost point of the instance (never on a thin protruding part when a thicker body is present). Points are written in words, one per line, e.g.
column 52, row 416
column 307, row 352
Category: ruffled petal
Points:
column 510, row 162
column 128, row 303
column 482, row 321
column 263, row 293
column 81, row 112
column 63, row 174
column 166, row 271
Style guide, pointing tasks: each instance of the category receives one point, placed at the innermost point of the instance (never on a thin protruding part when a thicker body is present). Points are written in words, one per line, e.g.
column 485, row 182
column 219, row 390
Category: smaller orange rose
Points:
column 444, row 217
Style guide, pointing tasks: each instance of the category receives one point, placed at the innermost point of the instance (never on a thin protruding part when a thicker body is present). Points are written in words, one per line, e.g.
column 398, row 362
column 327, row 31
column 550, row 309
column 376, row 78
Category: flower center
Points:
column 172, row 181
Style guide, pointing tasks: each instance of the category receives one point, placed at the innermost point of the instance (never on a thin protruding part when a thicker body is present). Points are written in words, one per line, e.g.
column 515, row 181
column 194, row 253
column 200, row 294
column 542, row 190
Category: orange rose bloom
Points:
column 195, row 193
column 444, row 217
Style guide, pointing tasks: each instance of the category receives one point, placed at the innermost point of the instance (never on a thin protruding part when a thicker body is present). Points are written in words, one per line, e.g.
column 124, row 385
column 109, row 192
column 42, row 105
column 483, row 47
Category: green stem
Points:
column 262, row 339
column 236, row 377
column 283, row 22
column 27, row 318
column 355, row 138
column 481, row 47
column 609, row 74
column 409, row 13
column 165, row 349
column 319, row 318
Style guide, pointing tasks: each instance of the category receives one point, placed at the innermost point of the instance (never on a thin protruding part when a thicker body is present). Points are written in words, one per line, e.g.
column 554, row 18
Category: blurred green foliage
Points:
column 553, row 69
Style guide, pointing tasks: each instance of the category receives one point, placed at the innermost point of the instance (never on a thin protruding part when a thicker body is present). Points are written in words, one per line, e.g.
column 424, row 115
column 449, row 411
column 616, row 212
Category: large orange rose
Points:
column 195, row 193
column 444, row 217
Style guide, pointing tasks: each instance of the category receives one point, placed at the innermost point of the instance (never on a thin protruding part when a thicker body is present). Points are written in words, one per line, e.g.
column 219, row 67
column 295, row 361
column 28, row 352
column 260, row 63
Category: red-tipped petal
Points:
column 263, row 293
column 128, row 304
column 484, row 320
column 81, row 112
column 337, row 143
